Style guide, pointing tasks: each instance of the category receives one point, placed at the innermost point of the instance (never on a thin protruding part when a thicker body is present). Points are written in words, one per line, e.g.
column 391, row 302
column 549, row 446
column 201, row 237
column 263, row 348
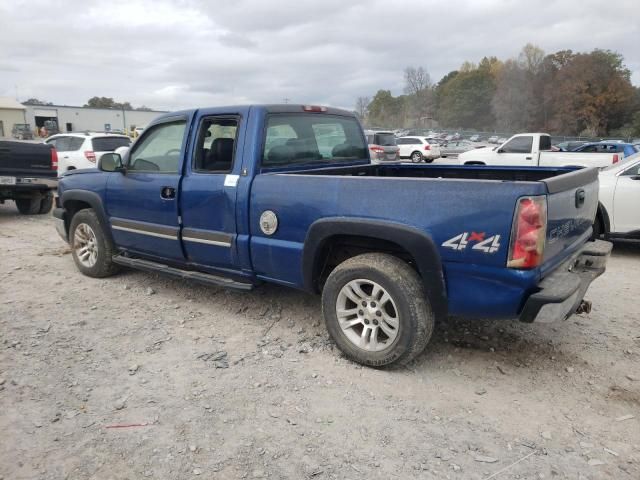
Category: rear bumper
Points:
column 562, row 292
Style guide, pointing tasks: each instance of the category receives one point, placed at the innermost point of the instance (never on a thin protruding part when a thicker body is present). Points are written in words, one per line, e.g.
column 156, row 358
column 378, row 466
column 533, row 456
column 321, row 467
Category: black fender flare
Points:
column 416, row 242
column 93, row 200
column 606, row 221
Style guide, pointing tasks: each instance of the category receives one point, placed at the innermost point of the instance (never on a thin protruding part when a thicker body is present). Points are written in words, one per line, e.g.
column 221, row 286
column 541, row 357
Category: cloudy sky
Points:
column 172, row 54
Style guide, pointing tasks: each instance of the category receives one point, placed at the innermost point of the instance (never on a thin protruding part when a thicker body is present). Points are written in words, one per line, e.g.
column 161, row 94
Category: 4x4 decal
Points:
column 487, row 245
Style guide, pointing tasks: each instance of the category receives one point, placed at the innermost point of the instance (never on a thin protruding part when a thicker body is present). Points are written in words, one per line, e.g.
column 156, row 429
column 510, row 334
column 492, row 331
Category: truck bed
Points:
column 461, row 172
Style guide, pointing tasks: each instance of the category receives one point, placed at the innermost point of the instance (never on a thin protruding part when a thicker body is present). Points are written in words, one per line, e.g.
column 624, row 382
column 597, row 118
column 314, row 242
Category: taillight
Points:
column 427, row 147
column 54, row 159
column 615, row 158
column 528, row 233
column 91, row 156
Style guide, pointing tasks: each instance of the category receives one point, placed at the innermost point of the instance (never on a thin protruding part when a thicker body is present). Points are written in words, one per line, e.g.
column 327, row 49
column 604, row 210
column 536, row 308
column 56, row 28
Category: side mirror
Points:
column 500, row 150
column 111, row 162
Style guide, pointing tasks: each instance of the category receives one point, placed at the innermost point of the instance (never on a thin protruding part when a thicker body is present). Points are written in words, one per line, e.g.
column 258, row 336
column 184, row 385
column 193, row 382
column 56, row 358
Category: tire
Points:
column 91, row 248
column 29, row 206
column 416, row 157
column 598, row 228
column 406, row 299
column 46, row 203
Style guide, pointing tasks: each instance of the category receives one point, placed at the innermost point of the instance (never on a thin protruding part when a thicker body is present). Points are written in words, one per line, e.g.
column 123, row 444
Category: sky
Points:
column 174, row 54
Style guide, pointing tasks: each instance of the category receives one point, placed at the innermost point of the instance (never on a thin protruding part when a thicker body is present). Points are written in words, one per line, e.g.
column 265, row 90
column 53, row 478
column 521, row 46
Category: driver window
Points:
column 159, row 150
column 518, row 145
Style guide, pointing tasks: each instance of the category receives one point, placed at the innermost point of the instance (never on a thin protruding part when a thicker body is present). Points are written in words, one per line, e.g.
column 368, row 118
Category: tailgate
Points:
column 571, row 208
column 23, row 159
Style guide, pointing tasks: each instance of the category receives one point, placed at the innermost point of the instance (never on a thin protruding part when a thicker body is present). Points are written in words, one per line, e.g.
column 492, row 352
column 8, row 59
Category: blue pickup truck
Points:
column 237, row 196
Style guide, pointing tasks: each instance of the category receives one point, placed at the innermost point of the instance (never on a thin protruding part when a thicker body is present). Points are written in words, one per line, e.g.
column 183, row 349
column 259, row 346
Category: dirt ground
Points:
column 138, row 376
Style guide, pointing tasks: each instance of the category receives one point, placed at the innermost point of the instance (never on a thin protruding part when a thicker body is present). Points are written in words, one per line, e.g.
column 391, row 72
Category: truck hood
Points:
column 79, row 171
column 477, row 154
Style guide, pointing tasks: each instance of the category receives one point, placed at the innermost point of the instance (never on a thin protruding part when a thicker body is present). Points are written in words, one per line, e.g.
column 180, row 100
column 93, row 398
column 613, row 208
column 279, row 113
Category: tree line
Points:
column 96, row 102
column 562, row 93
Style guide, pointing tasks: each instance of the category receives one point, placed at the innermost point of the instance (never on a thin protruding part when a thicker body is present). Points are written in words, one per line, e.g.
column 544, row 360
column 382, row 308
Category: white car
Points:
column 83, row 150
column 418, row 149
column 618, row 213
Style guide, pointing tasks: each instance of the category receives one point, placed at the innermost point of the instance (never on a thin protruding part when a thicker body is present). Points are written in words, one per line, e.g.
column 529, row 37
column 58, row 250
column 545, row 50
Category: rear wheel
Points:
column 29, row 206
column 91, row 249
column 375, row 309
column 46, row 203
column 416, row 157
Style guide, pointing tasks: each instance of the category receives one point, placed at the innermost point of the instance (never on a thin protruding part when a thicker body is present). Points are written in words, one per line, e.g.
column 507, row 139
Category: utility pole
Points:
column 286, row 100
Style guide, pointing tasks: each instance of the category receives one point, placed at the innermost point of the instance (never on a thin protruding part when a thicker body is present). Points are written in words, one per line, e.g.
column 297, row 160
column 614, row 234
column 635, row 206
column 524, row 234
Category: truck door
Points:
column 209, row 187
column 142, row 204
column 517, row 151
column 626, row 200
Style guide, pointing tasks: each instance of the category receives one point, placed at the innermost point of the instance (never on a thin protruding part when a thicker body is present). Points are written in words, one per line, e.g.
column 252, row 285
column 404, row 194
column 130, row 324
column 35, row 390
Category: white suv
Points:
column 418, row 149
column 83, row 150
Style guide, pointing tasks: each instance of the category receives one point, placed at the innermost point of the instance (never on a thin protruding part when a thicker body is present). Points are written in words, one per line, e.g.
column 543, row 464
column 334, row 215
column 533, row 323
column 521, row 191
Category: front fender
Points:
column 92, row 199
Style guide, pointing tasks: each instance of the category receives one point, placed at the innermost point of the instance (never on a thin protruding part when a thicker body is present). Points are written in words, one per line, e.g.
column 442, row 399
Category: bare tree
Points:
column 531, row 58
column 416, row 80
column 362, row 107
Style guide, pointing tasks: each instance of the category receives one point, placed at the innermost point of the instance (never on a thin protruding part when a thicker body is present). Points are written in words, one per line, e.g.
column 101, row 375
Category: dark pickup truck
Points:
column 237, row 196
column 28, row 175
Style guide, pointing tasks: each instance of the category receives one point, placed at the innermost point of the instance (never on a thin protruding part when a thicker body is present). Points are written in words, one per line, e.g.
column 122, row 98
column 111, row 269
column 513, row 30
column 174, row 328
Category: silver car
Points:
column 453, row 149
column 382, row 146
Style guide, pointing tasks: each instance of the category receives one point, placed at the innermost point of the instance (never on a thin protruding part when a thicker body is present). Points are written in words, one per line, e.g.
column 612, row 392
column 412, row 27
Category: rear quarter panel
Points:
column 443, row 209
column 576, row 159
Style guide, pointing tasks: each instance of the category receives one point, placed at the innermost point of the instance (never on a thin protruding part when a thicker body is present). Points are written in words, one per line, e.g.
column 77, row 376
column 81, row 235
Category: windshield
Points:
column 295, row 139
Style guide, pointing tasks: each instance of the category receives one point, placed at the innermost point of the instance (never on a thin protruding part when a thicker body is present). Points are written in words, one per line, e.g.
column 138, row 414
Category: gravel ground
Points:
column 139, row 376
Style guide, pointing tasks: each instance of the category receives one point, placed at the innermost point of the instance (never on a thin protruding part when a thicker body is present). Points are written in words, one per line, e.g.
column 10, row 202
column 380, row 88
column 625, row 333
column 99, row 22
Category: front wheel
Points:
column 416, row 157
column 376, row 311
column 91, row 249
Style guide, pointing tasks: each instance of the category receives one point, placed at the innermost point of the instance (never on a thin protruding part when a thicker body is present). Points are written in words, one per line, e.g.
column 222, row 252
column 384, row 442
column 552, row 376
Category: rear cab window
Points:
column 298, row 139
column 385, row 139
column 66, row 143
column 109, row 144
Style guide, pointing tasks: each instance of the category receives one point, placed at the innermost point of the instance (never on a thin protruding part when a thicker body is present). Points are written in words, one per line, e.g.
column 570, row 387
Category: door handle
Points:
column 168, row 193
column 529, row 158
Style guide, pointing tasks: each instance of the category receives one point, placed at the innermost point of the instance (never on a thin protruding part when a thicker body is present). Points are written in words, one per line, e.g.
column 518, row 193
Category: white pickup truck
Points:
column 534, row 150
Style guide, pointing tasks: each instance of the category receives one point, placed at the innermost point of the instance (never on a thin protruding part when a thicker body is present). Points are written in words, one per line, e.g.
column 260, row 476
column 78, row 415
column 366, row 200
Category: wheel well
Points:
column 339, row 248
column 603, row 217
column 416, row 151
column 72, row 207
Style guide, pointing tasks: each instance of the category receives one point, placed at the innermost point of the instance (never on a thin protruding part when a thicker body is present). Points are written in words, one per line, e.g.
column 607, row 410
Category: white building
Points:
column 79, row 119
column 11, row 112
